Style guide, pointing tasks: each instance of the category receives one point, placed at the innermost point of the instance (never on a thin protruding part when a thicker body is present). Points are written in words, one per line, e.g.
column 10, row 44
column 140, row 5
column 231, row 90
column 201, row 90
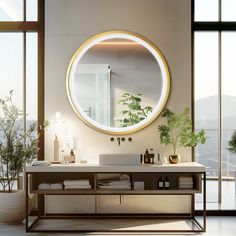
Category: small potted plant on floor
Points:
column 178, row 131
column 17, row 147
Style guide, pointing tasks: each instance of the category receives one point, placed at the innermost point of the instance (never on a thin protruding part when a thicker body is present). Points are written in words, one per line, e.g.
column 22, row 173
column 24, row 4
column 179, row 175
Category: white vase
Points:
column 12, row 207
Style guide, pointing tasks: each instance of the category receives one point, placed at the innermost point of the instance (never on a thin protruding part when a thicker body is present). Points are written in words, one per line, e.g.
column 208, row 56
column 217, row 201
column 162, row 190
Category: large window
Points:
column 21, row 57
column 215, row 95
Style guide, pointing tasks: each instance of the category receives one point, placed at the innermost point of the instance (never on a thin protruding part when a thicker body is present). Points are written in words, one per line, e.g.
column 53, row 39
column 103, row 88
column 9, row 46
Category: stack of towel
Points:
column 186, row 182
column 44, row 186
column 123, row 182
column 77, row 184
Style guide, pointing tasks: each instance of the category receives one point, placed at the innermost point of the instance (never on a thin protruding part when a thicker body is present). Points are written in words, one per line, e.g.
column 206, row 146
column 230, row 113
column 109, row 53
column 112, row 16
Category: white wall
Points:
column 167, row 23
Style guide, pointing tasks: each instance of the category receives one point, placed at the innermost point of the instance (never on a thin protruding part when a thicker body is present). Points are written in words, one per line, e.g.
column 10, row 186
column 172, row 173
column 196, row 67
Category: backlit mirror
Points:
column 118, row 82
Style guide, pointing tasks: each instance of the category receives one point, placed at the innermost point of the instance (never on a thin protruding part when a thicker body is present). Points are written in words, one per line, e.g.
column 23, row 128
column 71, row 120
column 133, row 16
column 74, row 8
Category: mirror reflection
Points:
column 118, row 82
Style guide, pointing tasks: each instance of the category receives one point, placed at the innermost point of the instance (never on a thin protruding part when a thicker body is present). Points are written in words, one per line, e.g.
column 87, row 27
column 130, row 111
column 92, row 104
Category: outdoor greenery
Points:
column 134, row 112
column 16, row 146
column 178, row 130
column 232, row 143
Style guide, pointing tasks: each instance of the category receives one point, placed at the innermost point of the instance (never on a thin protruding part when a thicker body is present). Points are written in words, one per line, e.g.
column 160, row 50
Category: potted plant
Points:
column 17, row 147
column 178, row 131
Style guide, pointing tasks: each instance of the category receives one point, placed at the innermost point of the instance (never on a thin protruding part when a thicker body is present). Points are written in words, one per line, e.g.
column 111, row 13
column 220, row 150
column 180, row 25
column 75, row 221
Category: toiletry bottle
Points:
column 72, row 154
column 157, row 159
column 141, row 159
column 166, row 183
column 62, row 153
column 160, row 183
column 146, row 157
column 56, row 149
column 152, row 155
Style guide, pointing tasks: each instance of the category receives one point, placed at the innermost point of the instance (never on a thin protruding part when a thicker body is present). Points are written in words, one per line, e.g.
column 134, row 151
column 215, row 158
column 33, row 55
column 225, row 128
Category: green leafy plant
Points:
column 232, row 143
column 134, row 112
column 178, row 130
column 16, row 146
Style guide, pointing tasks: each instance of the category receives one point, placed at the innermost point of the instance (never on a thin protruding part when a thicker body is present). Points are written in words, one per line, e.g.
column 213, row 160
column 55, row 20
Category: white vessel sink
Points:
column 119, row 159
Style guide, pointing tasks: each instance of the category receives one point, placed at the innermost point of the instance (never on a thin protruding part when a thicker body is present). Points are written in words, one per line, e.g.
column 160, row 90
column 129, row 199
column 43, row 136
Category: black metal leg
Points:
column 204, row 202
column 26, row 203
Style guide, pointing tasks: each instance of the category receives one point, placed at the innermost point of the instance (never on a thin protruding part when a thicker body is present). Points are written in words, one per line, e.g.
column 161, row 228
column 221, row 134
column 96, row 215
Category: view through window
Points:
column 215, row 96
column 19, row 56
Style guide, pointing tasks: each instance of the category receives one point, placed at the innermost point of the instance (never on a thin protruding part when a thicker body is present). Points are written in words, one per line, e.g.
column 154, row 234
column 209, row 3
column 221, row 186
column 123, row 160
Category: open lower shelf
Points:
column 119, row 191
column 63, row 191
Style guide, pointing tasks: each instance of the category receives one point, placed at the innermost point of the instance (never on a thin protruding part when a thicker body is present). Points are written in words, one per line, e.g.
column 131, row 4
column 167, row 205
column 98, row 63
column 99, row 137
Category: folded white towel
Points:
column 77, row 187
column 185, row 182
column 115, row 187
column 186, row 178
column 186, row 187
column 124, row 177
column 80, row 182
column 44, row 186
column 56, row 186
column 115, row 183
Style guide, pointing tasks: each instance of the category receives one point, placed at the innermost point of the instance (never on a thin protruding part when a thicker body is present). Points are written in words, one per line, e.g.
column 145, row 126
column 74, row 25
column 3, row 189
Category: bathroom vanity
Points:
column 123, row 204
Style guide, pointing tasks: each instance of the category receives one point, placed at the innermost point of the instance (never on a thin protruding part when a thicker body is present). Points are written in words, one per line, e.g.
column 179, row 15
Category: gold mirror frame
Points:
column 153, row 50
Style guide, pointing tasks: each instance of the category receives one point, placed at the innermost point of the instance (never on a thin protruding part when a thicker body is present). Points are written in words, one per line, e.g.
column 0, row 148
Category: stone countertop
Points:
column 187, row 167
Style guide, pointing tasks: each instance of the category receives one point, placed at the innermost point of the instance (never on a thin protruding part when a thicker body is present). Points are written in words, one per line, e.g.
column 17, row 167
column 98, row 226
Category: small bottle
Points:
column 160, row 183
column 56, row 149
column 72, row 154
column 152, row 156
column 141, row 159
column 166, row 183
column 146, row 157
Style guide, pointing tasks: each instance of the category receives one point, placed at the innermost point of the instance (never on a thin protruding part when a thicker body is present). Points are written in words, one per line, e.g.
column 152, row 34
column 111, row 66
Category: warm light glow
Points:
column 118, row 43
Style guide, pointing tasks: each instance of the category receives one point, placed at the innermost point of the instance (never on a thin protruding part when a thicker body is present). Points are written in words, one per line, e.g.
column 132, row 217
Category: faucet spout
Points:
column 118, row 140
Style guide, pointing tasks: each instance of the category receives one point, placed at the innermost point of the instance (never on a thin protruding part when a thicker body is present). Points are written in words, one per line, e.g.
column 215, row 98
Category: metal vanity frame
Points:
column 191, row 216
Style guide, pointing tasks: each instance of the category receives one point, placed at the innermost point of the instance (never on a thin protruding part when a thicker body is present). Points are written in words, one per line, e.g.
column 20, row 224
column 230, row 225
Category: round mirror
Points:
column 118, row 82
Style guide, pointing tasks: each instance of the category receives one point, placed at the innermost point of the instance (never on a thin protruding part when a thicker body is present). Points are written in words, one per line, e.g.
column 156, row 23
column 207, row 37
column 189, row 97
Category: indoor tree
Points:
column 178, row 130
column 17, row 146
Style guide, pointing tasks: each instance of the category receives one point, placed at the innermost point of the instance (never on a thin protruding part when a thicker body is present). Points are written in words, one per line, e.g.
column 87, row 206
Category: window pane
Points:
column 32, row 10
column 206, row 103
column 11, row 10
column 31, row 77
column 228, row 10
column 11, row 66
column 206, row 10
column 228, row 102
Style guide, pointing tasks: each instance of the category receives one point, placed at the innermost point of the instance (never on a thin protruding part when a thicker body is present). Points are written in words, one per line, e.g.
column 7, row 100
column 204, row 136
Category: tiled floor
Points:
column 216, row 226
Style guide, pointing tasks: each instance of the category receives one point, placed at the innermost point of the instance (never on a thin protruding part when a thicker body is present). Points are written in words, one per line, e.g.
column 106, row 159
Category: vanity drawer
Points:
column 69, row 204
column 144, row 204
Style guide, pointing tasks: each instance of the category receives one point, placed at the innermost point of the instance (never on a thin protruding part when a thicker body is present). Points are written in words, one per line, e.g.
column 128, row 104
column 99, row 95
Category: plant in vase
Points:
column 17, row 147
column 178, row 132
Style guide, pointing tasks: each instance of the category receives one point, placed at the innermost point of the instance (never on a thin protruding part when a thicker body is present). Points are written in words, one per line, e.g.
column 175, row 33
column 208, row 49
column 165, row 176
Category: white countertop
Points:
column 95, row 168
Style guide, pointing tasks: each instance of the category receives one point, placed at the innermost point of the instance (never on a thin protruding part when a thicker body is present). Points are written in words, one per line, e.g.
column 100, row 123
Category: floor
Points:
column 228, row 196
column 216, row 226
